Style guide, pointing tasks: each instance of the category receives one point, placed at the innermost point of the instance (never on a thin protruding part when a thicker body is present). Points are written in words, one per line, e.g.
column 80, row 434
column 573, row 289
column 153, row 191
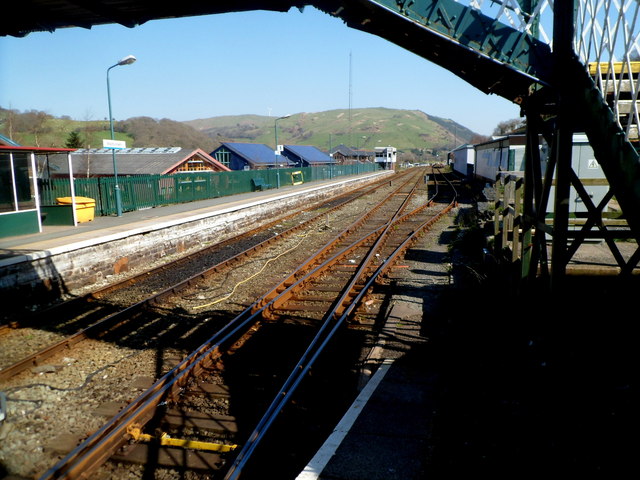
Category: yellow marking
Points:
column 166, row 440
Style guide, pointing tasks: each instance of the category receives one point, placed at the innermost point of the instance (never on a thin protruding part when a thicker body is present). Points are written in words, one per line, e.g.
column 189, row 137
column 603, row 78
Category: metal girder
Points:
column 472, row 29
column 27, row 16
column 491, row 56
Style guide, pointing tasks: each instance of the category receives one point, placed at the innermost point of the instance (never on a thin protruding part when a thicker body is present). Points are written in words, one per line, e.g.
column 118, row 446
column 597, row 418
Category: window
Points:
column 223, row 156
column 194, row 165
column 16, row 184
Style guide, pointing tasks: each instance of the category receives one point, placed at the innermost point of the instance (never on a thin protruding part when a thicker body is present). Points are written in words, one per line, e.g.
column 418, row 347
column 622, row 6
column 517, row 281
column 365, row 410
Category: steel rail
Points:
column 298, row 277
column 45, row 314
column 98, row 447
column 380, row 233
column 296, row 280
column 332, row 322
column 98, row 329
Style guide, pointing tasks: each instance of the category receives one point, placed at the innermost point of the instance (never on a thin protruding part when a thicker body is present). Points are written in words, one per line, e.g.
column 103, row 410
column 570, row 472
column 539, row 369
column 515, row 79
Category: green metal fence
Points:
column 148, row 191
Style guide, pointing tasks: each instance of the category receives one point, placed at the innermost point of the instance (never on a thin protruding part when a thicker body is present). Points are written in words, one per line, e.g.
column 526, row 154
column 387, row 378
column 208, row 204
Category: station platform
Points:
column 54, row 238
column 63, row 259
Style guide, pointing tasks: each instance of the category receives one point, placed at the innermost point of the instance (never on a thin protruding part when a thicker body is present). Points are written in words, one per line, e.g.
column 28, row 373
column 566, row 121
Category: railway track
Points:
column 97, row 313
column 190, row 403
column 171, row 406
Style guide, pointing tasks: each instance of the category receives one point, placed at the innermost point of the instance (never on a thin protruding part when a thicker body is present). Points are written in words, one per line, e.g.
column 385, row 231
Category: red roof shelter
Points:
column 20, row 207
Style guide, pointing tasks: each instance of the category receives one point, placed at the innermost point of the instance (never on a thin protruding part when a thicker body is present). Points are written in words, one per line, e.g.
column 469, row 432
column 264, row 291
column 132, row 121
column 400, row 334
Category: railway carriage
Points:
column 502, row 154
column 463, row 159
column 506, row 154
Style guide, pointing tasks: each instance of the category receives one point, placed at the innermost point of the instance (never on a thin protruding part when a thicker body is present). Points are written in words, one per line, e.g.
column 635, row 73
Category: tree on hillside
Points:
column 74, row 140
column 90, row 129
column 36, row 123
column 476, row 138
column 7, row 122
column 148, row 132
column 510, row 126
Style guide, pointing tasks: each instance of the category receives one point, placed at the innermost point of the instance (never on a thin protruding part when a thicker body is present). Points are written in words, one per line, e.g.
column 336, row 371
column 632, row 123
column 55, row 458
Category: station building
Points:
column 97, row 162
column 258, row 156
column 247, row 156
column 345, row 155
column 386, row 157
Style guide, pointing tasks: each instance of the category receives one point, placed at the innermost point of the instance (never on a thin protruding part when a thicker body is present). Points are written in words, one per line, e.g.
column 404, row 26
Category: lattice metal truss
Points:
column 607, row 41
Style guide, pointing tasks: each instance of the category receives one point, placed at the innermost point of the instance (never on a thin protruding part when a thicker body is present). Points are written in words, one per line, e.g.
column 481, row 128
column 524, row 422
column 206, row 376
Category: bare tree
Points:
column 510, row 126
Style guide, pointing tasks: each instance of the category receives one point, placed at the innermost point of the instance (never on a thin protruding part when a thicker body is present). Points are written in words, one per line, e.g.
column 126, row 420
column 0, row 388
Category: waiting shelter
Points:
column 22, row 171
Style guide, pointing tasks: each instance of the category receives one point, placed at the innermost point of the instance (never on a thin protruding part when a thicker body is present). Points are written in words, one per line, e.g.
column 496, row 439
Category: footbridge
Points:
column 570, row 64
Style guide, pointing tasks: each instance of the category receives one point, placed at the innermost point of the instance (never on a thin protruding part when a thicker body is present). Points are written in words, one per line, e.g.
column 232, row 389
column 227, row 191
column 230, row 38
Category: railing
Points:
column 148, row 191
column 508, row 216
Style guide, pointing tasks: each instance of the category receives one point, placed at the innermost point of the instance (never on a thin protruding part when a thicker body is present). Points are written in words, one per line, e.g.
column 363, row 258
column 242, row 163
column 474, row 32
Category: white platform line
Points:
column 317, row 464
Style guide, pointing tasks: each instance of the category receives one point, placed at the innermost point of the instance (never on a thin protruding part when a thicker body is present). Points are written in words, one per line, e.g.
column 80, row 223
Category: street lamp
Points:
column 128, row 60
column 277, row 152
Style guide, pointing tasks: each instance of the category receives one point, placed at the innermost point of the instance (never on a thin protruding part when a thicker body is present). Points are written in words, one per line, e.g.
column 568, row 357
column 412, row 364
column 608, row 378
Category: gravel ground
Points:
column 522, row 388
column 61, row 396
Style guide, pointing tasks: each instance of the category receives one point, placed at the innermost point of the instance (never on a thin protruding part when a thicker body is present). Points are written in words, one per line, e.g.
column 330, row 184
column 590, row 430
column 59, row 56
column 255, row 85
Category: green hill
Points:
column 363, row 128
column 39, row 129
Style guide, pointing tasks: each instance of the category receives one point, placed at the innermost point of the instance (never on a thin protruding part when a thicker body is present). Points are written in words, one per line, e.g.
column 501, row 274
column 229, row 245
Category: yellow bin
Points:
column 85, row 207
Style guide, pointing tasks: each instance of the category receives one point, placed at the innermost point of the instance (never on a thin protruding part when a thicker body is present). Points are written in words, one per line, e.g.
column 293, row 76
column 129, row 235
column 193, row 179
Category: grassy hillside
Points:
column 39, row 129
column 364, row 128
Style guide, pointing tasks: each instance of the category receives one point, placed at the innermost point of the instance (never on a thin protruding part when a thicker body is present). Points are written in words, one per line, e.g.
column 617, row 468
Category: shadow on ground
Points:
column 535, row 384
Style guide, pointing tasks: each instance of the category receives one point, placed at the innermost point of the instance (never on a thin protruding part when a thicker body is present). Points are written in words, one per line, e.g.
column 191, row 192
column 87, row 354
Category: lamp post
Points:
column 277, row 152
column 128, row 60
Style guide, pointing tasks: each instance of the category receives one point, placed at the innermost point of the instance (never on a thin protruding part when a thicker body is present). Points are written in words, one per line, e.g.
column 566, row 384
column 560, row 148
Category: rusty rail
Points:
column 98, row 447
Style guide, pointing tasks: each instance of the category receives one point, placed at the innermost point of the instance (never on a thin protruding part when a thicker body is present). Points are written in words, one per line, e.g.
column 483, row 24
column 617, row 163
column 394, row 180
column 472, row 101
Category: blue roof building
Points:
column 306, row 156
column 245, row 156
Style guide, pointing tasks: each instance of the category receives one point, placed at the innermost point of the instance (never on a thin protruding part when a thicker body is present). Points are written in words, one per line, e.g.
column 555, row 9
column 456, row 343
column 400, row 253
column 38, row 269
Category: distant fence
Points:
column 148, row 191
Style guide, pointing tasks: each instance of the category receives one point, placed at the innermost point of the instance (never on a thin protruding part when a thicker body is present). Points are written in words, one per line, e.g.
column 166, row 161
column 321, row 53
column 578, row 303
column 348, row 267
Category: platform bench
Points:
column 259, row 184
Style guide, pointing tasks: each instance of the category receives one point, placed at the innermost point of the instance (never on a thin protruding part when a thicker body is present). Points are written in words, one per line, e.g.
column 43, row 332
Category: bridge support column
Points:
column 563, row 34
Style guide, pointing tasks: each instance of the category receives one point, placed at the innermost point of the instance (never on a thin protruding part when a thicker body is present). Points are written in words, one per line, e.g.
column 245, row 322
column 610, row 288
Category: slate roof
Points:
column 254, row 153
column 132, row 161
column 344, row 150
column 308, row 154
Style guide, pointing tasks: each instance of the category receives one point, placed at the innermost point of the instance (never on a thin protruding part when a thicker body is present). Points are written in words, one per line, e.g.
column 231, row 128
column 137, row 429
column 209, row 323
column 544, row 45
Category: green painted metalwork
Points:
column 472, row 29
column 149, row 191
column 617, row 156
column 18, row 223
column 57, row 214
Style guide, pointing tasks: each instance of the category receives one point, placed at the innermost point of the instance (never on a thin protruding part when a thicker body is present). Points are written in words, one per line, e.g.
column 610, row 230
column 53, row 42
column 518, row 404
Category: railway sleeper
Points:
column 327, row 287
column 313, row 297
column 212, row 390
column 303, row 307
column 215, row 423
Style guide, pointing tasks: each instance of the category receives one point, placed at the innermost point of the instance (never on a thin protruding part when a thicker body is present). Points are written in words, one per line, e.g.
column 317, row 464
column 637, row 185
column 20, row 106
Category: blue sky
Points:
column 263, row 63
